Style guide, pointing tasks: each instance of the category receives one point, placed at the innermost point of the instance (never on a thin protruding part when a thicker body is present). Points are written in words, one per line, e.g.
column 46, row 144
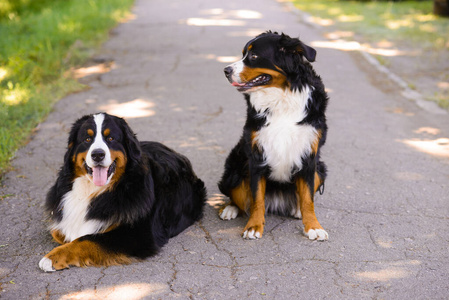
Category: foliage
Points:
column 40, row 41
column 409, row 22
column 406, row 25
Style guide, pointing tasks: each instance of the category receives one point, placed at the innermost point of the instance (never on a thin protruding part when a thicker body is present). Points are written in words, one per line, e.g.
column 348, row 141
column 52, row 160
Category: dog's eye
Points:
column 88, row 140
column 253, row 56
column 110, row 138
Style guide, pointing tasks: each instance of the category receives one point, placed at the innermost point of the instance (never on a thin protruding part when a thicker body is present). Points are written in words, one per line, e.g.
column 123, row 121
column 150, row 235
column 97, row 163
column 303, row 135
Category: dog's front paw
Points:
column 317, row 234
column 58, row 259
column 46, row 265
column 229, row 212
column 251, row 234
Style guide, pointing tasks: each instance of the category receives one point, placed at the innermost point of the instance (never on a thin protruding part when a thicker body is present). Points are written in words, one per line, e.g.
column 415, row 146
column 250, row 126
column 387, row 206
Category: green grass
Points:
column 41, row 40
column 406, row 22
column 406, row 25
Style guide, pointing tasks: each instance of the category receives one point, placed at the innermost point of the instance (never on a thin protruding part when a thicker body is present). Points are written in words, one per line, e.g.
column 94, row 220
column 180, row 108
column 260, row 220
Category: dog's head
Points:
column 99, row 147
column 270, row 60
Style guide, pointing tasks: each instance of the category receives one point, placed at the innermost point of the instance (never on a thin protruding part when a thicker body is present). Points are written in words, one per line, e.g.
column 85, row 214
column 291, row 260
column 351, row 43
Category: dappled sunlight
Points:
column 443, row 85
column 222, row 59
column 396, row 24
column 137, row 108
column 248, row 32
column 322, row 21
column 428, row 130
column 384, row 243
column 356, row 46
column 334, row 35
column 337, row 44
column 214, row 22
column 438, row 147
column 14, row 95
column 384, row 274
column 394, row 270
column 227, row 59
column 221, row 17
column 3, row 73
column 91, row 70
column 131, row 291
column 351, row 18
column 238, row 14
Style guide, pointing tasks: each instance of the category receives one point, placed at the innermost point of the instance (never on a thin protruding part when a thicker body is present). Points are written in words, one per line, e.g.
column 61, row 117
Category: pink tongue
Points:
column 237, row 84
column 100, row 175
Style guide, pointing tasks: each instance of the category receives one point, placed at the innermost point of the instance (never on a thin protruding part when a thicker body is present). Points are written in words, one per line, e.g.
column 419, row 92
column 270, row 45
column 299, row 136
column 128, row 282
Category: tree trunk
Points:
column 441, row 8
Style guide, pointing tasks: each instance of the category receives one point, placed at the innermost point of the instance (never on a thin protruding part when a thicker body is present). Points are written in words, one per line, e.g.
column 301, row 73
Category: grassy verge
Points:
column 408, row 25
column 410, row 22
column 40, row 41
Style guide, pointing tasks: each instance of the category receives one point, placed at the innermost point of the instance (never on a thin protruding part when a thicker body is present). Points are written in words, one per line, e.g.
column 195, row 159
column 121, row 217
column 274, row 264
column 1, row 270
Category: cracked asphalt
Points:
column 385, row 206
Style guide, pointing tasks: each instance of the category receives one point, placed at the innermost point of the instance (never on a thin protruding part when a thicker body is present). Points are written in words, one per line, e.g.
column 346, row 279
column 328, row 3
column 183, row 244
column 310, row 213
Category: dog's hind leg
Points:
column 305, row 194
column 240, row 199
column 81, row 253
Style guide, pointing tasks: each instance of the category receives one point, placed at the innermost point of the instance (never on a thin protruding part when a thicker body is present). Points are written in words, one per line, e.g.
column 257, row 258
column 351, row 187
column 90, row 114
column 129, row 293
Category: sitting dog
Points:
column 117, row 200
column 276, row 167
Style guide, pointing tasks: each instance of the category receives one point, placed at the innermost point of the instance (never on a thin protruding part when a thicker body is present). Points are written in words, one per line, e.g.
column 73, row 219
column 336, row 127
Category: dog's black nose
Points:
column 228, row 71
column 98, row 155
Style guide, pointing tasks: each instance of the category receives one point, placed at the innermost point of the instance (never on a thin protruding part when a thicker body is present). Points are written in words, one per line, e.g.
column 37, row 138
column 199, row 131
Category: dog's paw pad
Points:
column 46, row 265
column 317, row 234
column 251, row 234
column 229, row 212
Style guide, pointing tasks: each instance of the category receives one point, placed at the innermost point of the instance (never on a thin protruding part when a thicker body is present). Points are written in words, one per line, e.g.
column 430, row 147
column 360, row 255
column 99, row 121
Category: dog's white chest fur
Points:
column 282, row 140
column 74, row 207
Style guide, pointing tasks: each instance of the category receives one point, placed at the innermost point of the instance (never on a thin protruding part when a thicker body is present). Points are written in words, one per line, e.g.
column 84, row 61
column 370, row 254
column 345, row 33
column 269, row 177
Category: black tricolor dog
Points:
column 117, row 200
column 276, row 167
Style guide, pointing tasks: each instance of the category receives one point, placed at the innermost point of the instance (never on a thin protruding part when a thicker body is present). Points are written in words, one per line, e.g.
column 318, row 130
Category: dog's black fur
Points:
column 275, row 63
column 153, row 195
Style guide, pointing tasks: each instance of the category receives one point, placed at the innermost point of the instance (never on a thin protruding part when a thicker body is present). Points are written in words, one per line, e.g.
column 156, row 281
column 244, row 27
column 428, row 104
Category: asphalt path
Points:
column 385, row 206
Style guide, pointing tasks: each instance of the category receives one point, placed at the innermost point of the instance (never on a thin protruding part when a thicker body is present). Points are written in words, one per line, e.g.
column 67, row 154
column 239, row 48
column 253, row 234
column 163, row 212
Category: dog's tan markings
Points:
column 110, row 228
column 120, row 159
column 78, row 161
column 316, row 142
column 250, row 47
column 84, row 253
column 306, row 206
column 241, row 195
column 107, row 132
column 254, row 136
column 58, row 236
column 318, row 182
column 277, row 79
column 90, row 132
column 255, row 226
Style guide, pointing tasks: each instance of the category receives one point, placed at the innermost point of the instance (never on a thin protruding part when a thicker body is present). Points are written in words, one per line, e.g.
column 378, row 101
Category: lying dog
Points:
column 276, row 167
column 117, row 200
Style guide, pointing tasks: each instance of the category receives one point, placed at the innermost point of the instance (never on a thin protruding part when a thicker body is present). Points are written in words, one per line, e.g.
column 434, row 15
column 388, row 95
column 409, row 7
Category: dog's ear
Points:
column 308, row 52
column 294, row 45
column 131, row 144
